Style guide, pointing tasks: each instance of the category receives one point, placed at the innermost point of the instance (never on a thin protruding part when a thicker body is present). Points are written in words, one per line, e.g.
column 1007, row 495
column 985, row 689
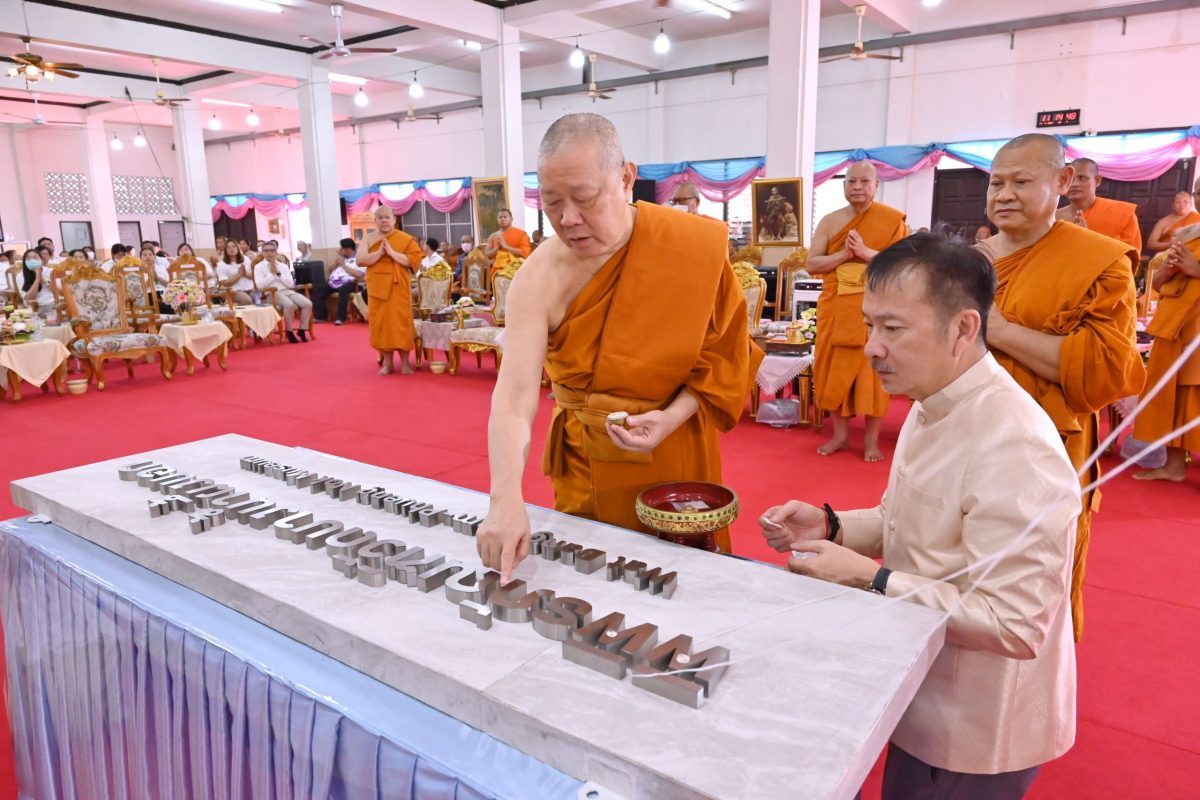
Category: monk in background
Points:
column 1175, row 325
column 1114, row 218
column 1183, row 213
column 1064, row 320
column 618, row 330
column 845, row 242
column 391, row 258
column 507, row 244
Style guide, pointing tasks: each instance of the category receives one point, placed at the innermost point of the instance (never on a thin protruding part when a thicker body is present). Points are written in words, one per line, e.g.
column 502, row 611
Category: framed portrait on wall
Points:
column 777, row 210
column 491, row 195
column 76, row 235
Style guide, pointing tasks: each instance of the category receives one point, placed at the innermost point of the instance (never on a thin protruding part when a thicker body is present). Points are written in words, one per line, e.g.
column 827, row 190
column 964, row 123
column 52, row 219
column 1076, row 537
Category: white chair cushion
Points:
column 117, row 343
column 486, row 335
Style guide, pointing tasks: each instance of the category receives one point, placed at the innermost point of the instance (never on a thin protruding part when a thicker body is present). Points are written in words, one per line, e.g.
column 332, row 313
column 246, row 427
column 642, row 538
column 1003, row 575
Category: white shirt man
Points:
column 273, row 273
column 978, row 522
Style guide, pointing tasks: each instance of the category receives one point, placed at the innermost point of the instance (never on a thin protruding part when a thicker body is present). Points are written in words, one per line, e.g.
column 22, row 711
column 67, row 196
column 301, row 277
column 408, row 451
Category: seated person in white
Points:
column 233, row 272
column 158, row 267
column 36, row 278
column 429, row 248
column 344, row 279
column 119, row 251
column 185, row 249
column 275, row 273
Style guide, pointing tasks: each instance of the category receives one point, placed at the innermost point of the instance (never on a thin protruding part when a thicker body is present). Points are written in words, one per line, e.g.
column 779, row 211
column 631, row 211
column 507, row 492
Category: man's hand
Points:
column 791, row 524
column 642, row 432
column 1080, row 219
column 834, row 563
column 503, row 538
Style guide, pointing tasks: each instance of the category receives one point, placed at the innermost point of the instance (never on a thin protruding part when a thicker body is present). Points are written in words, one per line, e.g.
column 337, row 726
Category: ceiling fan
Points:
column 594, row 92
column 338, row 47
column 37, row 118
column 860, row 53
column 413, row 116
column 160, row 97
column 32, row 67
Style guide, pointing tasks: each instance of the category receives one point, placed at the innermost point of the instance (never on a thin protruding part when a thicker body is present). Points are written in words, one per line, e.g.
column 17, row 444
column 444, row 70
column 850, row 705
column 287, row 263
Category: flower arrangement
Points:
column 464, row 302
column 804, row 329
column 182, row 295
column 18, row 324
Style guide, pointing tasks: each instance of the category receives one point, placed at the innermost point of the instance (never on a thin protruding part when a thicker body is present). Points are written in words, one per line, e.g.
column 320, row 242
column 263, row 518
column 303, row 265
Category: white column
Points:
column 188, row 132
column 502, row 126
column 792, row 50
column 100, row 185
column 320, row 158
column 914, row 194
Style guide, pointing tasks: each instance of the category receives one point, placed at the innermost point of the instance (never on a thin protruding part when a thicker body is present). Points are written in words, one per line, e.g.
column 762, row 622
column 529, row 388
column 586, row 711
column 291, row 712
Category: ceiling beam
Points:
column 620, row 46
column 464, row 18
column 537, row 12
column 400, row 70
column 894, row 16
column 72, row 26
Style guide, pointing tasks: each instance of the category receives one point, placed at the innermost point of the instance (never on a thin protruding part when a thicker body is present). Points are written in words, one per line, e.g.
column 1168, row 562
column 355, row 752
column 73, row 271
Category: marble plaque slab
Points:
column 820, row 678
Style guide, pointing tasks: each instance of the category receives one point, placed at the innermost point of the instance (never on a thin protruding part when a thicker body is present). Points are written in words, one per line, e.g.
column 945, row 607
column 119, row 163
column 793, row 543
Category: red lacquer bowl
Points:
column 687, row 507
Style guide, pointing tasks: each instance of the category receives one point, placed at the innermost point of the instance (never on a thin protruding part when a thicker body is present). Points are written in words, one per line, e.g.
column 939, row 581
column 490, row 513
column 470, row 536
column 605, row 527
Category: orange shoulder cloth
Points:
column 879, row 226
column 1179, row 301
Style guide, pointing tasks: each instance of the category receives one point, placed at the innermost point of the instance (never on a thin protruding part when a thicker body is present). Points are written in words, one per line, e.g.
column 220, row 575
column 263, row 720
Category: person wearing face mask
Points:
column 466, row 245
column 36, row 283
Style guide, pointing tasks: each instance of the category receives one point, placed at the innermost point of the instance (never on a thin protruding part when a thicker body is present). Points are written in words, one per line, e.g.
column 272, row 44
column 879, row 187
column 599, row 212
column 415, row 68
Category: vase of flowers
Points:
column 185, row 297
column 18, row 325
column 803, row 330
column 462, row 308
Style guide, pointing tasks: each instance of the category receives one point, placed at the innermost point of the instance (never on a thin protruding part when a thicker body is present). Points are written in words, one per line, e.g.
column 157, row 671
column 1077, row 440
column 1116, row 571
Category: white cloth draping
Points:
column 33, row 362
column 59, row 333
column 776, row 372
column 260, row 319
column 436, row 335
column 199, row 339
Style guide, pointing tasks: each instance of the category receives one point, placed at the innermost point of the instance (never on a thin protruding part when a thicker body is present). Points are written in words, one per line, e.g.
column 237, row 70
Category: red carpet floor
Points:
column 1139, row 697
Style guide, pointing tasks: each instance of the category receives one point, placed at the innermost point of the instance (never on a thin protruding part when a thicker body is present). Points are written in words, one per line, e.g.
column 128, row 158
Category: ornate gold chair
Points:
column 485, row 339
column 141, row 297
column 12, row 294
column 750, row 253
column 785, row 287
column 102, row 322
column 475, row 276
column 433, row 294
column 755, row 289
column 188, row 268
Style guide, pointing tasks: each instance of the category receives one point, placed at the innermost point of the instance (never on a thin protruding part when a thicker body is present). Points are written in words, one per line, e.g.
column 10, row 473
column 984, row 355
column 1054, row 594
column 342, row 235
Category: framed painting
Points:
column 76, row 235
column 777, row 209
column 491, row 195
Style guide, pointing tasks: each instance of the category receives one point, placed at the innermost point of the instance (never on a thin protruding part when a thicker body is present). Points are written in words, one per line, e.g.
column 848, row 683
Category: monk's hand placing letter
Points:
column 642, row 432
column 834, row 563
column 786, row 526
column 503, row 538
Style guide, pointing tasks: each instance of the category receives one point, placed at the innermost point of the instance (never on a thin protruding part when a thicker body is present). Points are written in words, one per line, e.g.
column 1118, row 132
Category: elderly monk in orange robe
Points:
column 1176, row 324
column 507, row 244
column 1183, row 213
column 845, row 242
column 617, row 329
column 1064, row 320
column 1114, row 218
column 391, row 258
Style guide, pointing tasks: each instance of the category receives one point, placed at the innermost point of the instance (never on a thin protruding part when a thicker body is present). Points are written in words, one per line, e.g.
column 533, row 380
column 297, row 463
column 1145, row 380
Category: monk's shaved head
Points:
column 863, row 169
column 385, row 211
column 575, row 131
column 860, row 185
column 1039, row 147
column 1086, row 166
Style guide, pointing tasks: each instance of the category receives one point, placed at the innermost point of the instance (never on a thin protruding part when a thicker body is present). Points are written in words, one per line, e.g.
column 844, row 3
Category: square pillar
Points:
column 320, row 158
column 188, row 132
column 503, row 152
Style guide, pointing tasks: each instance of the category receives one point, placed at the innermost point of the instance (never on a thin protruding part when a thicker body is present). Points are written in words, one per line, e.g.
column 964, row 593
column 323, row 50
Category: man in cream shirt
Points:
column 978, row 522
column 272, row 272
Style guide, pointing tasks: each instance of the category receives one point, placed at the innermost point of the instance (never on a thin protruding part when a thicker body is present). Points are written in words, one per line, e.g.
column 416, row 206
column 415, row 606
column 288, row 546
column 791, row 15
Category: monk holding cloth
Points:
column 618, row 328
column 391, row 257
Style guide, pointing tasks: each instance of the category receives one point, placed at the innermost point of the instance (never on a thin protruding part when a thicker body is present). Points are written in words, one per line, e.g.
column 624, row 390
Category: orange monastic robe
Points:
column 843, row 381
column 1077, row 284
column 1175, row 325
column 639, row 332
column 389, row 294
column 1191, row 219
column 1114, row 218
column 513, row 237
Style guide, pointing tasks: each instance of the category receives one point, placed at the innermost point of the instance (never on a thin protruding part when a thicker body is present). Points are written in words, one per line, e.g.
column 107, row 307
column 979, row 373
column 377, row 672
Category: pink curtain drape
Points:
column 402, row 206
column 718, row 191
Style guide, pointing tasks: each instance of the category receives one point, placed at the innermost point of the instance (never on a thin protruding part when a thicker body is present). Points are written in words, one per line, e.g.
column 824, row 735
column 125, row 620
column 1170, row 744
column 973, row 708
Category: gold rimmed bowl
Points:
column 688, row 512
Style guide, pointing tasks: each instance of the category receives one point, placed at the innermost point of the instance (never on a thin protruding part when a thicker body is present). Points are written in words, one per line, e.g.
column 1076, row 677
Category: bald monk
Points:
column 618, row 330
column 507, row 244
column 1183, row 213
column 1175, row 325
column 391, row 258
column 845, row 242
column 1064, row 321
column 1114, row 218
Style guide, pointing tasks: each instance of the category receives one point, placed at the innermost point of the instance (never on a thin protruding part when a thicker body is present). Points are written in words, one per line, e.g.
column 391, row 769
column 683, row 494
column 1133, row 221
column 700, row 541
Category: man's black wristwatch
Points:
column 832, row 522
column 879, row 582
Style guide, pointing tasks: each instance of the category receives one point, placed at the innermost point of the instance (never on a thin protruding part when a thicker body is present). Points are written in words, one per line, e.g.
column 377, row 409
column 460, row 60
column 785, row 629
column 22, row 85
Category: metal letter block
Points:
column 152, row 473
column 348, row 492
column 130, row 472
column 231, row 498
column 375, row 554
column 637, row 574
column 663, row 583
column 473, row 524
column 590, row 560
column 252, row 463
column 428, row 517
column 407, row 571
column 550, row 551
column 512, row 603
column 616, row 568
column 481, row 615
column 317, row 485
column 435, row 578
column 202, row 485
column 205, row 520
column 444, row 517
column 243, row 511
column 285, row 526
column 348, row 542
column 672, row 687
column 458, row 522
column 266, row 518
column 391, row 504
column 374, row 577
column 566, row 553
column 314, row 534
column 302, row 480
column 173, row 484
column 561, row 616
column 539, row 541
column 333, row 486
column 474, row 585
column 346, row 565
column 180, row 503
column 204, row 497
column 275, row 471
column 594, row 658
column 159, row 508
column 414, row 512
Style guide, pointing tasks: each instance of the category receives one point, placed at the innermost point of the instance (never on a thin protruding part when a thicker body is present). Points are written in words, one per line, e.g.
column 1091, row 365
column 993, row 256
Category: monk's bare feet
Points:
column 1160, row 474
column 405, row 369
column 872, row 453
column 386, row 369
column 832, row 446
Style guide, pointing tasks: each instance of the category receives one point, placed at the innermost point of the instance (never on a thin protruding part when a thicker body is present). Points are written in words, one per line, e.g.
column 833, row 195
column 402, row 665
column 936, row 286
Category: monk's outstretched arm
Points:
column 1159, row 240
column 503, row 539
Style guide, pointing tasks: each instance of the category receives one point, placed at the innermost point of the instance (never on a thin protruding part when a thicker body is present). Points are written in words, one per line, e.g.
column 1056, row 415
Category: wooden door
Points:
column 960, row 200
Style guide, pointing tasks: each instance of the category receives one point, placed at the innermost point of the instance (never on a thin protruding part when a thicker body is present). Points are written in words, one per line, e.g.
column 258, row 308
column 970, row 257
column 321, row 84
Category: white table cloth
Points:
column 33, row 362
column 262, row 320
column 776, row 372
column 199, row 339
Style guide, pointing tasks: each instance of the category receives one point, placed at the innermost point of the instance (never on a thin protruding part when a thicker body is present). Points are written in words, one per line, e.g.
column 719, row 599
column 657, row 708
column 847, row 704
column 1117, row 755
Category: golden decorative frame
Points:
column 481, row 186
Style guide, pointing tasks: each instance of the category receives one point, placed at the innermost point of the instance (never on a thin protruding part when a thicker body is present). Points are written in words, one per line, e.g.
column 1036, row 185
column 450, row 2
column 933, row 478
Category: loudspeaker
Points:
column 342, row 204
column 644, row 190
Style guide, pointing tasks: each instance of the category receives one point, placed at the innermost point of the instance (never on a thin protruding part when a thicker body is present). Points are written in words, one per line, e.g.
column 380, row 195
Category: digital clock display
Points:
column 1058, row 119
